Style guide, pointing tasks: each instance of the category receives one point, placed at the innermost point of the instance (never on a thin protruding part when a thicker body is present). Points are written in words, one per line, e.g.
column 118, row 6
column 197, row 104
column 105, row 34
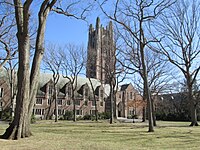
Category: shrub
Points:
column 104, row 115
column 33, row 119
column 79, row 118
column 87, row 117
column 68, row 115
column 6, row 115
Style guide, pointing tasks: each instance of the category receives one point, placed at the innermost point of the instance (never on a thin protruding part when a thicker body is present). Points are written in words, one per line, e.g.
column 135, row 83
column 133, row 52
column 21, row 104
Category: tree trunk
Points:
column 145, row 107
column 192, row 106
column 153, row 113
column 114, row 107
column 96, row 111
column 56, row 104
column 74, row 108
column 111, row 104
column 17, row 129
column 144, row 114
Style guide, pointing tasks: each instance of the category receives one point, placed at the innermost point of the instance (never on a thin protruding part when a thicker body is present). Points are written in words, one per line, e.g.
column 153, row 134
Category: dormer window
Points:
column 39, row 101
column 59, row 101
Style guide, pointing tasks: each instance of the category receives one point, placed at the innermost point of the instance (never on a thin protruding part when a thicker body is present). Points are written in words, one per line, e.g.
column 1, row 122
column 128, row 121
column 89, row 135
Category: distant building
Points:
column 128, row 101
column 101, row 52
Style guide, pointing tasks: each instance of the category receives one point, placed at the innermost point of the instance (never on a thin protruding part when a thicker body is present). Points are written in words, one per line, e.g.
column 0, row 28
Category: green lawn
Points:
column 49, row 135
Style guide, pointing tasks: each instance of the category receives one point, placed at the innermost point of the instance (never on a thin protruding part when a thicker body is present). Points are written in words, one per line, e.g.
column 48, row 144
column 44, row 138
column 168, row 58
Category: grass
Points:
column 81, row 135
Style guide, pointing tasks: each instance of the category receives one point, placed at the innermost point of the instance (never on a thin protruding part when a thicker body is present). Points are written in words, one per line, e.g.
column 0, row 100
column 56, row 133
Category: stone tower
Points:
column 101, row 52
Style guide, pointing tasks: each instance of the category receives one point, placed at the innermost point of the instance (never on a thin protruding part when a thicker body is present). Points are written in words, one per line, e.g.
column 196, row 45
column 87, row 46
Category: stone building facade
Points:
column 101, row 52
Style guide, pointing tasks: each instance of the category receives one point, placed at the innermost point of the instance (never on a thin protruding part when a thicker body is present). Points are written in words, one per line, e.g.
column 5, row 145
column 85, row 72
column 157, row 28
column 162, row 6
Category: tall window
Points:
column 68, row 102
column 93, row 103
column 1, row 92
column 92, row 112
column 78, row 112
column 127, row 95
column 131, row 95
column 86, row 92
column 49, row 101
column 38, row 111
column 39, row 101
column 101, row 94
column 69, row 91
column 60, row 111
column 50, row 90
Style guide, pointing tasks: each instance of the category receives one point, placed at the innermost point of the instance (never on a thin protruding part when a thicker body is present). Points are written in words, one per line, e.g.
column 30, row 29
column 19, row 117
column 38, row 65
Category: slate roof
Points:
column 124, row 87
column 46, row 77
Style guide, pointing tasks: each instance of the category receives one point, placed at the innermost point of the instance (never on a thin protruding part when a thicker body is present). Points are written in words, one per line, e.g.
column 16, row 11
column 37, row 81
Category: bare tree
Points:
column 179, row 27
column 133, row 17
column 72, row 65
column 52, row 62
column 27, row 76
column 8, row 45
column 12, row 74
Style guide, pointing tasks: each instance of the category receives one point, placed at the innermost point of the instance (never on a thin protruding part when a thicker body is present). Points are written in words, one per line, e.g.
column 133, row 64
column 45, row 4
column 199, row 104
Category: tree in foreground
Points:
column 179, row 28
column 27, row 77
column 133, row 17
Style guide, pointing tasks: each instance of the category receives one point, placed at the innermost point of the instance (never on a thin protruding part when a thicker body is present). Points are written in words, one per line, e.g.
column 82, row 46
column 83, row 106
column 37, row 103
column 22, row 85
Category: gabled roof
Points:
column 124, row 87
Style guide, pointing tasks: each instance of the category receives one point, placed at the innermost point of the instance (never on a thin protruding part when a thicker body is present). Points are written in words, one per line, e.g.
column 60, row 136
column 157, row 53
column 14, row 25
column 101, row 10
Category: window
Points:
column 42, row 111
column 131, row 95
column 69, row 91
column 101, row 93
column 1, row 92
column 68, row 102
column 1, row 104
column 49, row 102
column 93, row 103
column 59, row 101
column 127, row 95
column 59, row 111
column 77, row 102
column 78, row 112
column 50, row 90
column 131, row 112
column 86, row 103
column 39, row 101
column 119, row 95
column 86, row 92
column 92, row 112
column 101, row 103
column 37, row 111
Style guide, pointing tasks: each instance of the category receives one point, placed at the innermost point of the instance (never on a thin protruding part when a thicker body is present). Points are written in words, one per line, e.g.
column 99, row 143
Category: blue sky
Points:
column 62, row 30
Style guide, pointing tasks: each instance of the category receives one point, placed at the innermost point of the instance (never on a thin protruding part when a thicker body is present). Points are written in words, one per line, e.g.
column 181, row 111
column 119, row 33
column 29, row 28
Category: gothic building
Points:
column 101, row 52
column 100, row 67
